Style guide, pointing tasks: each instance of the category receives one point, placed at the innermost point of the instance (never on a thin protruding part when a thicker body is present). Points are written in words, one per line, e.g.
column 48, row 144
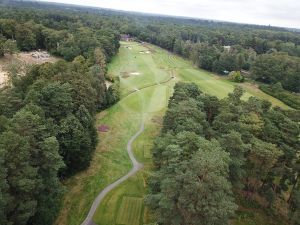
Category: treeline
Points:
column 277, row 91
column 279, row 74
column 278, row 68
column 62, row 35
column 224, row 48
column 47, row 126
column 215, row 46
column 211, row 151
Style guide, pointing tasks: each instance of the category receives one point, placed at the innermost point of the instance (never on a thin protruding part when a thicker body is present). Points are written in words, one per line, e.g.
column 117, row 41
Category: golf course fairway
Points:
column 147, row 77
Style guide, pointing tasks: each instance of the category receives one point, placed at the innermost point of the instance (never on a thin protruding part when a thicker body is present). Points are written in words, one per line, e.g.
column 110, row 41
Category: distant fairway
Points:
column 159, row 65
column 153, row 68
column 145, row 94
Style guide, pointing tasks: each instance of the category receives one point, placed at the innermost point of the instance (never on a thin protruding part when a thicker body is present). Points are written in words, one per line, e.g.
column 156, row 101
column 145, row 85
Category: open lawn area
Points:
column 138, row 66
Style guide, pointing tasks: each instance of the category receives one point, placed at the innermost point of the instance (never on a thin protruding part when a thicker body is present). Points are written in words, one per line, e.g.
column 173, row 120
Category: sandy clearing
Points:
column 21, row 58
column 3, row 77
column 27, row 58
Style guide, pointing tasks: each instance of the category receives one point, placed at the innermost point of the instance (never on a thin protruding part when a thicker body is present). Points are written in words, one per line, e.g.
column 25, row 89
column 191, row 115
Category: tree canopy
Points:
column 211, row 151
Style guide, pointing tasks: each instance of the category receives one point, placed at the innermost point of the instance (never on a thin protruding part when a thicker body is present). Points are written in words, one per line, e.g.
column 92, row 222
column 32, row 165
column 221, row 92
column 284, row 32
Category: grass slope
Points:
column 110, row 160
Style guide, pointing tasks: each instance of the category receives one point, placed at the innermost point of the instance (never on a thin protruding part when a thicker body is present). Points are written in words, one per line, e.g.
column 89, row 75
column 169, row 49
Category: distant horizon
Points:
column 272, row 14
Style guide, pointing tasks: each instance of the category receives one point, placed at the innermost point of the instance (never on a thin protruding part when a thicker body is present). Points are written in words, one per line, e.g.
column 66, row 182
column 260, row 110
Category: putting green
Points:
column 143, row 75
column 136, row 70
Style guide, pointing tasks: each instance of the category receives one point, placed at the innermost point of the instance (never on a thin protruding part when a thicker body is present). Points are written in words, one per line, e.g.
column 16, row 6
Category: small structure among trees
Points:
column 126, row 37
column 227, row 48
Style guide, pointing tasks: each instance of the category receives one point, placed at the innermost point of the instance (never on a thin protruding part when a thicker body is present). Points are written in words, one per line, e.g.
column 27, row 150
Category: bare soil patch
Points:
column 103, row 128
column 253, row 86
column 129, row 74
column 22, row 59
column 4, row 62
column 125, row 75
column 36, row 57
column 3, row 77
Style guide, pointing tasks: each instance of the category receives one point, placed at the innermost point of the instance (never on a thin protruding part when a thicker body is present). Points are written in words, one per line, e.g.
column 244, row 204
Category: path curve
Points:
column 136, row 167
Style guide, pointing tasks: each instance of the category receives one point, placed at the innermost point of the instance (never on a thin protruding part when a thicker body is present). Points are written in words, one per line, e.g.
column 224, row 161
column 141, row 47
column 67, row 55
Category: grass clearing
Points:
column 110, row 160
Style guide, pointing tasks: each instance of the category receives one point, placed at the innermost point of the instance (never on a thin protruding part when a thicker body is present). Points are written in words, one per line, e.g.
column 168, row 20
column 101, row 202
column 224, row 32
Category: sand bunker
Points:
column 145, row 52
column 127, row 74
column 108, row 83
column 135, row 73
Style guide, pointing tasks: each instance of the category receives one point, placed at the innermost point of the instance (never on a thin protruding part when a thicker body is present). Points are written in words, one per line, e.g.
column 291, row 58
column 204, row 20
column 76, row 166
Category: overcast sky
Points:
column 284, row 13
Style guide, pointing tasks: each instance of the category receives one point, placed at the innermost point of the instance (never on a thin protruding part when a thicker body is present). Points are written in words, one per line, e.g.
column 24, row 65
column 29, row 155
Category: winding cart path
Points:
column 136, row 167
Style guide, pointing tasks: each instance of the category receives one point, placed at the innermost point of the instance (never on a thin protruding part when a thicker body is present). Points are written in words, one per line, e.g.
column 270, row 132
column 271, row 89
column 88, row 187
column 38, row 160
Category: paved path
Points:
column 136, row 167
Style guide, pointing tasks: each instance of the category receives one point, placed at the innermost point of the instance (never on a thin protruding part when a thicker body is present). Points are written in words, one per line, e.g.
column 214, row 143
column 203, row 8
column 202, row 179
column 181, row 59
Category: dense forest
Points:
column 223, row 148
column 47, row 129
column 230, row 146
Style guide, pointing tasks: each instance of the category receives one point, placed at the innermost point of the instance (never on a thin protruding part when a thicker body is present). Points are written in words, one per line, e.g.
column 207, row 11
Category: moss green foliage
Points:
column 236, row 76
column 110, row 160
column 47, row 128
column 113, row 94
column 278, row 67
column 47, row 116
column 7, row 46
column 246, row 144
column 53, row 116
column 31, row 30
column 276, row 90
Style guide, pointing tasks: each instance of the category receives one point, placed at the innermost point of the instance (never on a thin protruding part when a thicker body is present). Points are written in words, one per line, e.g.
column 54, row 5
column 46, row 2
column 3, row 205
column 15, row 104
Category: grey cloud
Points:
column 274, row 12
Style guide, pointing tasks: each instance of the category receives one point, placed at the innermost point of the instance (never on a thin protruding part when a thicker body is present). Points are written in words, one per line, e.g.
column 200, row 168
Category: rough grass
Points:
column 136, row 186
column 110, row 160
